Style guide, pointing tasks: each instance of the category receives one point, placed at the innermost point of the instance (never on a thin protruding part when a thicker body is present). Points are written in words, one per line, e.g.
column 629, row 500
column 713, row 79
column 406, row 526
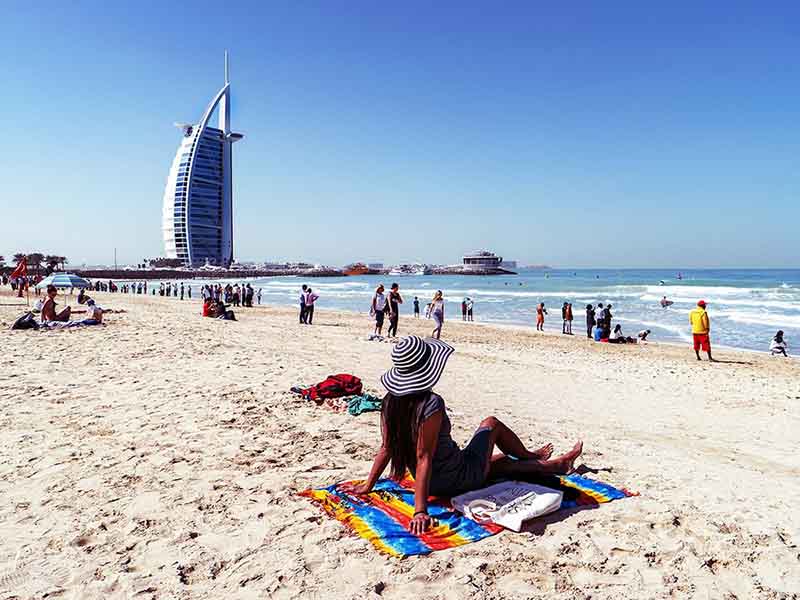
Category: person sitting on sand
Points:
column 49, row 307
column 415, row 432
column 208, row 308
column 778, row 345
column 617, row 337
column 94, row 314
column 223, row 313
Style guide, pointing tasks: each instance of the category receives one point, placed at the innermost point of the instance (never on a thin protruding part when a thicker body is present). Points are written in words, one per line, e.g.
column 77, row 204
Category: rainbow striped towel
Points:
column 382, row 516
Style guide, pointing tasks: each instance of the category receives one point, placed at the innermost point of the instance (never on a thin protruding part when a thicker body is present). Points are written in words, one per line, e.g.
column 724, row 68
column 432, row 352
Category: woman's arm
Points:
column 427, row 438
column 378, row 467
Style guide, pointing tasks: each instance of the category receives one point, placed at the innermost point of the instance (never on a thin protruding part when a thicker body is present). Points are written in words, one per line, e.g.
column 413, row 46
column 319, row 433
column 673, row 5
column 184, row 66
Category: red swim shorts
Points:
column 701, row 341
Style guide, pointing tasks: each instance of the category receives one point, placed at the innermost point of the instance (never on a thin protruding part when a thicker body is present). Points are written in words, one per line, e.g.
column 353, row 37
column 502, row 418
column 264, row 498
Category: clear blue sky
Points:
column 599, row 134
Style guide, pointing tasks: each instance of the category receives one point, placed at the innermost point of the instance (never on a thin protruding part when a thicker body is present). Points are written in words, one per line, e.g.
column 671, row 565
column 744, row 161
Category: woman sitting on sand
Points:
column 416, row 436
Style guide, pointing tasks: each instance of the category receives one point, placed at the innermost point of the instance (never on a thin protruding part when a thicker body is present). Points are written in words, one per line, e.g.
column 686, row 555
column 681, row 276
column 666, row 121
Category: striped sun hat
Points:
column 418, row 365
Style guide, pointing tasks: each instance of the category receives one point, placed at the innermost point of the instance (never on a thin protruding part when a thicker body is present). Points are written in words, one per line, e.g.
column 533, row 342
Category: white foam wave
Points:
column 779, row 320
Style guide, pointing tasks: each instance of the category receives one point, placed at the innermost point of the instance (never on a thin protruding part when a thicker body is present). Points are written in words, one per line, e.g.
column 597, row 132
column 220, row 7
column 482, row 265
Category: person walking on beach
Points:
column 590, row 321
column 541, row 311
column 701, row 327
column 437, row 312
column 416, row 307
column 378, row 308
column 395, row 300
column 570, row 318
column 303, row 304
column 258, row 296
column 311, row 298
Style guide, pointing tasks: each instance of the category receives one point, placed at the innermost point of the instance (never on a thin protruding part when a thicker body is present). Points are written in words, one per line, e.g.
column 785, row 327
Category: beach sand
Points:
column 160, row 456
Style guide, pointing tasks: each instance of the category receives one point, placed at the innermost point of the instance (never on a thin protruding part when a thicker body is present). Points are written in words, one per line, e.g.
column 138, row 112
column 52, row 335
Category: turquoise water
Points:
column 746, row 307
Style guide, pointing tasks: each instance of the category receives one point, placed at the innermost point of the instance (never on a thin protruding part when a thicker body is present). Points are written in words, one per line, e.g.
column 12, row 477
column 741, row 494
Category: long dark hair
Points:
column 401, row 423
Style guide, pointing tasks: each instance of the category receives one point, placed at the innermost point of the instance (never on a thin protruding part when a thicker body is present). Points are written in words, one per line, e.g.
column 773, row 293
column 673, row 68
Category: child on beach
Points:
column 416, row 307
column 416, row 437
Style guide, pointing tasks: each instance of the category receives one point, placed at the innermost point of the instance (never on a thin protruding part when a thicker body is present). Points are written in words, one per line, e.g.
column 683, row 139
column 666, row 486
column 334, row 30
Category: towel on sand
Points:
column 382, row 516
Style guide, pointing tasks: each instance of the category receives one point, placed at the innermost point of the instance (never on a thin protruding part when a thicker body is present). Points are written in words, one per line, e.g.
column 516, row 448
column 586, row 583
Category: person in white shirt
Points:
column 94, row 314
column 378, row 308
column 642, row 335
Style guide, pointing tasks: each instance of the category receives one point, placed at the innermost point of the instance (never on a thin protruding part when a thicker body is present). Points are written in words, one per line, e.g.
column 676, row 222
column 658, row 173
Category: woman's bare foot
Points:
column 543, row 453
column 565, row 464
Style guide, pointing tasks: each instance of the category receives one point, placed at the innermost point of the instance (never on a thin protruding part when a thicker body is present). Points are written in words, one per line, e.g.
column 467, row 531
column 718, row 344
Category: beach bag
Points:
column 26, row 321
column 508, row 503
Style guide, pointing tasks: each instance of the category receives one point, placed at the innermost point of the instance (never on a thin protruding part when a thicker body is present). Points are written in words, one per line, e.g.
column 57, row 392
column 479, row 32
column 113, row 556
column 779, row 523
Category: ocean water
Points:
column 746, row 307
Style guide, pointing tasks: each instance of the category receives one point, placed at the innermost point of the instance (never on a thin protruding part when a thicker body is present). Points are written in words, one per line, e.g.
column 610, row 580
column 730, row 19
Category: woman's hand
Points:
column 356, row 489
column 421, row 523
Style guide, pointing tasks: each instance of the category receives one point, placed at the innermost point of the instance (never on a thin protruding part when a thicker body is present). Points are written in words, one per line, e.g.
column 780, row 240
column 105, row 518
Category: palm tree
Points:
column 35, row 259
column 51, row 260
column 19, row 256
column 63, row 260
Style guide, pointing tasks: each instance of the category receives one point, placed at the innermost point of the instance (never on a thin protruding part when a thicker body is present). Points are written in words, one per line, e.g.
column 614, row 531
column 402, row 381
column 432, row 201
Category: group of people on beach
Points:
column 387, row 305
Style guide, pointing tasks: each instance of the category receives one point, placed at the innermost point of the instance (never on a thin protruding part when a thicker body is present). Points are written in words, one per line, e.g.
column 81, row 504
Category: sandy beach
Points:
column 160, row 457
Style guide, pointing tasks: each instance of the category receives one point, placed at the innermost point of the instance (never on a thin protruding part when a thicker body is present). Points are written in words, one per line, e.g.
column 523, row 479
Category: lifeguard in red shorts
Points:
column 701, row 326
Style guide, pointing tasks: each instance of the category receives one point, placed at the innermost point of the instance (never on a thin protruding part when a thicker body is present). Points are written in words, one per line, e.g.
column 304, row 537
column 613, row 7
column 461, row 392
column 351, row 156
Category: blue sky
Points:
column 596, row 134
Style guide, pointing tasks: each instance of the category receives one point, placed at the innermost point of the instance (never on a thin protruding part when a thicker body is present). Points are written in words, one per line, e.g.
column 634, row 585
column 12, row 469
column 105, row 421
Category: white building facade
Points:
column 197, row 215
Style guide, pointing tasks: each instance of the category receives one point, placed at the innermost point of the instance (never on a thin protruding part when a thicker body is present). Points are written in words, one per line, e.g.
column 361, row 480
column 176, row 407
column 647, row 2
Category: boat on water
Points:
column 360, row 269
column 412, row 269
column 481, row 262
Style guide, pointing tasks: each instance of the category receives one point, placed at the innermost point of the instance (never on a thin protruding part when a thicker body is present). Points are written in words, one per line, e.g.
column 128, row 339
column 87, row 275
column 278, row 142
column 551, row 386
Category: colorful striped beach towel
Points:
column 383, row 515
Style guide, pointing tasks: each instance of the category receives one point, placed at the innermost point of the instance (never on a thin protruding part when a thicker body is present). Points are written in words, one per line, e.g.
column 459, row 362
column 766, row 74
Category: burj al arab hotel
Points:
column 198, row 199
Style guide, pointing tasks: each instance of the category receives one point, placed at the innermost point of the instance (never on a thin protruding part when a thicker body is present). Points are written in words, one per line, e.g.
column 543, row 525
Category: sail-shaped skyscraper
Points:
column 198, row 199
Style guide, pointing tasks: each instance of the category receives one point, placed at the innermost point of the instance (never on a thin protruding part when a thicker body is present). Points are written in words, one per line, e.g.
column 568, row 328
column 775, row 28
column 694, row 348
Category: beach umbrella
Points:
column 63, row 280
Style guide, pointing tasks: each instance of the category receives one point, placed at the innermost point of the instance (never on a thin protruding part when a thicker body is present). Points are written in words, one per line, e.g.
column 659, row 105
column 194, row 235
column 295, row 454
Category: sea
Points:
column 746, row 307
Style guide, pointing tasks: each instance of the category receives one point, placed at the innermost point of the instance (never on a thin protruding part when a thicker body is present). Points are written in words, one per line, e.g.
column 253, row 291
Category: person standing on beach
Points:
column 541, row 311
column 395, row 300
column 378, row 308
column 701, row 327
column 437, row 311
column 311, row 298
column 303, row 304
column 258, row 296
column 564, row 319
column 569, row 318
column 590, row 321
column 607, row 316
column 470, row 305
column 598, row 315
column 416, row 307
column 464, row 309
column 181, row 290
